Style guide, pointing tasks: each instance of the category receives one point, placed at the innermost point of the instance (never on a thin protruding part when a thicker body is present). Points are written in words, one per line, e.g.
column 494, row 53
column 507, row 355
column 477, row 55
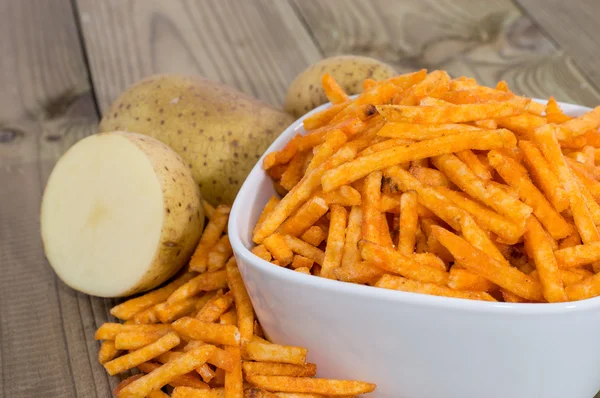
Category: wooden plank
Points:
column 489, row 40
column 46, row 329
column 573, row 25
column 255, row 46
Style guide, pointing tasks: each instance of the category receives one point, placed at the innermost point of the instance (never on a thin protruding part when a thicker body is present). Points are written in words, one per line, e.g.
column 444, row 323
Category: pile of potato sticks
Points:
column 441, row 186
column 198, row 336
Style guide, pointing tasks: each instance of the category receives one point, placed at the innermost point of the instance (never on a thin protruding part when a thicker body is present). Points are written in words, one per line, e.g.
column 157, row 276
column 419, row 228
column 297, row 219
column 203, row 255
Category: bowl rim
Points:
column 364, row 291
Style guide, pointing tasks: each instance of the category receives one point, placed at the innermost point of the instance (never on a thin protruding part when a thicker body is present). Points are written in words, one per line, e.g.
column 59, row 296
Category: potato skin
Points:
column 306, row 93
column 183, row 212
column 218, row 131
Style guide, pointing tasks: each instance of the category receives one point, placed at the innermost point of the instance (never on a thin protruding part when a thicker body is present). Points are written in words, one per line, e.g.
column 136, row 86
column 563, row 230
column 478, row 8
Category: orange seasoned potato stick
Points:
column 109, row 330
column 405, row 265
column 335, row 241
column 371, row 197
column 209, row 332
column 538, row 243
column 167, row 372
column 216, row 307
column 234, row 380
column 204, row 282
column 305, row 249
column 142, row 355
column 351, row 254
column 209, row 238
column 267, row 352
column 279, row 369
column 343, row 196
column 188, row 380
column 245, row 312
column 314, row 235
column 310, row 385
column 262, row 252
column 136, row 340
column 431, row 177
column 408, row 222
column 335, row 94
column 482, row 264
column 577, row 256
column 406, row 285
column 418, row 132
column 219, row 254
column 587, row 288
column 351, row 171
column 131, row 307
column 279, row 249
column 107, row 351
column 305, row 217
column 473, row 162
column 462, row 279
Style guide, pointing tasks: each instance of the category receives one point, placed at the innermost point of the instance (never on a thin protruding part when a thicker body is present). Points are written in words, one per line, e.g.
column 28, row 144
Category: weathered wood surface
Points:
column 52, row 49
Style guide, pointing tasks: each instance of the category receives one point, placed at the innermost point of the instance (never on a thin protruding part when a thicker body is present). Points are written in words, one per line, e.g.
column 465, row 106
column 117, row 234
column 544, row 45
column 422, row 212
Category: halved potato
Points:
column 121, row 214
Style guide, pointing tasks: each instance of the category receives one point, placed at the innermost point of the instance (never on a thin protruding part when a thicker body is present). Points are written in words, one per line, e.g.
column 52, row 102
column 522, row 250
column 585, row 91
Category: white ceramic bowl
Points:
column 413, row 345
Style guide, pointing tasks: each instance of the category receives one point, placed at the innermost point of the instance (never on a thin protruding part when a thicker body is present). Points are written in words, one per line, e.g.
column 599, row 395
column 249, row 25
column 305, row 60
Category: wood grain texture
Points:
column 256, row 46
column 490, row 41
column 46, row 329
column 573, row 25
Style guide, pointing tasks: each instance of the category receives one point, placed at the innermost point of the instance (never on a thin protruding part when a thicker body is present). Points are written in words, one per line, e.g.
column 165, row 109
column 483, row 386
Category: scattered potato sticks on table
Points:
column 197, row 336
column 456, row 190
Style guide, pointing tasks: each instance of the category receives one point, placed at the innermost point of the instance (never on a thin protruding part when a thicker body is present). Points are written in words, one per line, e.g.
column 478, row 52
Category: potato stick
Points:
column 279, row 369
column 431, row 177
column 157, row 394
column 579, row 125
column 350, row 127
column 472, row 161
column 574, row 275
column 245, row 311
column 379, row 94
column 135, row 340
column 497, row 199
column 335, row 241
column 322, row 118
column 452, row 113
column 587, row 288
column 262, row 352
column 462, row 279
column 386, row 144
column 262, row 252
column 359, row 272
column 215, row 308
column 419, row 132
column 279, row 249
column 273, row 201
column 221, row 359
column 302, row 262
column 168, row 312
column 229, row 318
column 142, row 355
column 335, row 94
column 577, row 256
column 488, row 124
column 305, row 249
column 189, row 379
column 234, row 381
column 293, row 172
column 303, row 270
column 209, row 332
column 408, row 222
column 517, row 177
column 300, row 193
column 204, row 282
column 147, row 316
column 538, row 243
column 510, row 297
column 435, row 85
column 107, row 351
column 219, row 254
column 253, row 392
column 166, row 373
column 351, row 255
column 210, row 237
column 429, row 260
column 397, row 263
column 406, row 80
column 393, row 282
column 588, row 199
column 109, row 330
column 126, row 382
column 188, row 392
column 434, row 247
column 284, row 155
column 390, row 203
column 486, row 217
column 368, row 137
column 345, row 195
column 523, row 124
column 590, row 155
column 310, row 385
column 550, row 148
column 371, row 196
column 305, row 217
column 462, row 83
column 314, row 235
column 427, row 196
column 133, row 306
column 483, row 264
column 333, row 141
column 588, row 179
column 543, row 176
column 475, row 96
column 360, row 167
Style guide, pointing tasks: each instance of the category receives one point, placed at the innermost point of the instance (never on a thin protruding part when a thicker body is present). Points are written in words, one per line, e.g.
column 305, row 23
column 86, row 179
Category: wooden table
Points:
column 62, row 62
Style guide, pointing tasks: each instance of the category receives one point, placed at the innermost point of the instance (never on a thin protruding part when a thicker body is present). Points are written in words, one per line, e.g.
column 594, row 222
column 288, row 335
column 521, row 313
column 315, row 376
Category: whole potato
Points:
column 218, row 131
column 306, row 93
